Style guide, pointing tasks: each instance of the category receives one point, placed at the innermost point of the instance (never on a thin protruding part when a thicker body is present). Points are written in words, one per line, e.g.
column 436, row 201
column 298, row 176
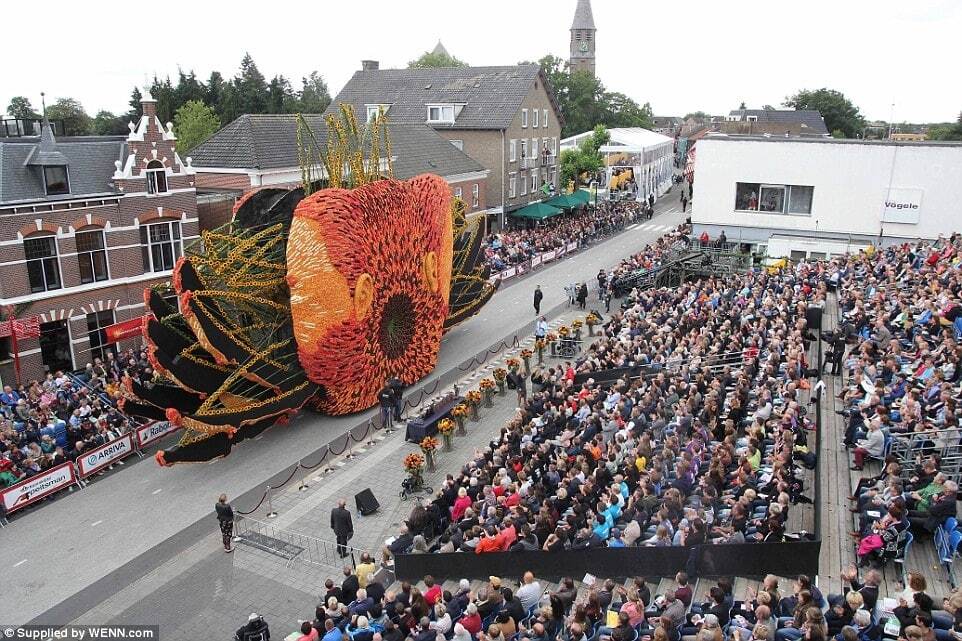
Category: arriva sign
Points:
column 902, row 206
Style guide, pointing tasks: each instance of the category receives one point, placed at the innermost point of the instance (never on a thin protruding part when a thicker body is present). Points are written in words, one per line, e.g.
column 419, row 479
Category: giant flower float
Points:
column 309, row 298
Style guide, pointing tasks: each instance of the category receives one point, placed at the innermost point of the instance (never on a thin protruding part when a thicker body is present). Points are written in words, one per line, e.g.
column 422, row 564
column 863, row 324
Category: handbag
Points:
column 869, row 544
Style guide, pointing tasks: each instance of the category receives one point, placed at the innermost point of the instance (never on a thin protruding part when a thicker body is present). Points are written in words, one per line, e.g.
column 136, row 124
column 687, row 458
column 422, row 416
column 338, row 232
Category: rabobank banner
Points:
column 153, row 431
column 36, row 487
column 94, row 460
column 902, row 206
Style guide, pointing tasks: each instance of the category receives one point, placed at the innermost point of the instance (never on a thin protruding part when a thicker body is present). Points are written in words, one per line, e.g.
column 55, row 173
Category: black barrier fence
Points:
column 744, row 559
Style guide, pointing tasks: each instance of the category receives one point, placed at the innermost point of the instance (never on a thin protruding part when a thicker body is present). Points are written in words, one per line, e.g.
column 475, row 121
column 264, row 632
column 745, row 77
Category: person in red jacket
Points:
column 462, row 503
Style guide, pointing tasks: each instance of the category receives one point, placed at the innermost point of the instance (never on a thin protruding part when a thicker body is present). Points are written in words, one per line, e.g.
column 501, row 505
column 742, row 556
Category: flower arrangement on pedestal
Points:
column 473, row 399
column 526, row 355
column 576, row 325
column 459, row 413
column 552, row 340
column 501, row 378
column 487, row 386
column 539, row 345
column 514, row 364
column 446, row 429
column 591, row 320
column 428, row 445
column 414, row 466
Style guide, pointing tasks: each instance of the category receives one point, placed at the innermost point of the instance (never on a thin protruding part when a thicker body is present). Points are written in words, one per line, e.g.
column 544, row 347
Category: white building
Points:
column 649, row 155
column 815, row 197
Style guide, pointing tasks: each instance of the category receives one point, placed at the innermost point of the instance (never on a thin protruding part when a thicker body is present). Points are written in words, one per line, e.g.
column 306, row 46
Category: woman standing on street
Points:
column 225, row 515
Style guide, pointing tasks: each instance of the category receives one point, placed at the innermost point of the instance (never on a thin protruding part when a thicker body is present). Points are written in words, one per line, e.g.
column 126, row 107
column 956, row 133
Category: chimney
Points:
column 149, row 105
column 370, row 65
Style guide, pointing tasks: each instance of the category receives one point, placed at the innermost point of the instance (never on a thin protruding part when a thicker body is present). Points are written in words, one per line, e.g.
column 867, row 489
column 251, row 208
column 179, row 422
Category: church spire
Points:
column 583, row 17
column 583, row 39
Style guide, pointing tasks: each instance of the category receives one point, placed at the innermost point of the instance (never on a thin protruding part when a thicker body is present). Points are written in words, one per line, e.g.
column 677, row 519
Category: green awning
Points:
column 564, row 201
column 581, row 196
column 536, row 211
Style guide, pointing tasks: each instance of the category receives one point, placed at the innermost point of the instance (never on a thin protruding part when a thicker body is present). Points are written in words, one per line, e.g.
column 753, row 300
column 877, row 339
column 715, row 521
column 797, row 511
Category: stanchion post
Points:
column 271, row 514
column 370, row 431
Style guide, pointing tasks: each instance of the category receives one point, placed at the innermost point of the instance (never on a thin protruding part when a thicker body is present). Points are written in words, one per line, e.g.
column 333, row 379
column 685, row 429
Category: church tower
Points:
column 583, row 39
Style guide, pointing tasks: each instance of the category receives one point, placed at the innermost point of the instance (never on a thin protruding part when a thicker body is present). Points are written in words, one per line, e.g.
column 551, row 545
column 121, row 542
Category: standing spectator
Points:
column 538, row 295
column 225, row 517
column 385, row 399
column 541, row 327
column 342, row 526
column 520, row 383
column 397, row 388
column 583, row 295
column 255, row 630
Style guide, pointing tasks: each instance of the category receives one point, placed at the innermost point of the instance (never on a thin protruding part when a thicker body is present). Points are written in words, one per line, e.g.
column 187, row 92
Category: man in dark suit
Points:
column 342, row 526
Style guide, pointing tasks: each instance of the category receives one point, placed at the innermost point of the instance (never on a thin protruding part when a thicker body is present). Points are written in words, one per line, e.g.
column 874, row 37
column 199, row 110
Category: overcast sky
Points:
column 679, row 56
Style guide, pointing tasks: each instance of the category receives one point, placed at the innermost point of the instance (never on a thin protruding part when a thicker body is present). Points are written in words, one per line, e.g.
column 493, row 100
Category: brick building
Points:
column 86, row 224
column 260, row 150
column 506, row 118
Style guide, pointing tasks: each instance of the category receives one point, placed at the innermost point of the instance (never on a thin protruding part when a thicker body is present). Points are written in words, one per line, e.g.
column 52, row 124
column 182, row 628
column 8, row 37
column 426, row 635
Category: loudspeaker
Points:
column 366, row 503
column 813, row 315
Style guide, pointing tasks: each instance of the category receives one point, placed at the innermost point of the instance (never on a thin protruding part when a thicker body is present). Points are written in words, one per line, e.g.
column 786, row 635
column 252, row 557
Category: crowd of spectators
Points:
column 897, row 346
column 515, row 246
column 692, row 453
column 54, row 420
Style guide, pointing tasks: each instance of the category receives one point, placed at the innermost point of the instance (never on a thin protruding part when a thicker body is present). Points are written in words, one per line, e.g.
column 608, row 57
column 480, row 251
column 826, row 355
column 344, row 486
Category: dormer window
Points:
column 373, row 111
column 156, row 177
column 440, row 113
column 55, row 180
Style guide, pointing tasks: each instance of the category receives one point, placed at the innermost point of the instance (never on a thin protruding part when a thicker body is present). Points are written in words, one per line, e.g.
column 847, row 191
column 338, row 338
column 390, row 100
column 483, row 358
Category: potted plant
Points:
column 446, row 429
column 501, row 378
column 414, row 466
column 514, row 364
column 428, row 445
column 539, row 345
column 474, row 401
column 460, row 413
column 591, row 320
column 487, row 386
column 552, row 340
column 576, row 326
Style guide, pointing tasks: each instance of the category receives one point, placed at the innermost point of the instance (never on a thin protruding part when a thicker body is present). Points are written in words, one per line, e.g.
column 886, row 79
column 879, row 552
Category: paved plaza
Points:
column 132, row 523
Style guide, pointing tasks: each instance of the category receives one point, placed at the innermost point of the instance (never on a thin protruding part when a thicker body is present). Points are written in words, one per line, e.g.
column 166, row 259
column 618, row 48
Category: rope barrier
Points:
column 320, row 460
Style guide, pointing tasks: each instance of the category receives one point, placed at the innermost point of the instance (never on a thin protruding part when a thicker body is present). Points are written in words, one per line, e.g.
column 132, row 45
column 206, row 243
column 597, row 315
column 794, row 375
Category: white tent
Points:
column 648, row 154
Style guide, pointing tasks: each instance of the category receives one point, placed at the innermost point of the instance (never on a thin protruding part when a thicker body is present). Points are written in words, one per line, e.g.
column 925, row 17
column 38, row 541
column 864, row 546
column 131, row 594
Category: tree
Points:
column 439, row 59
column 837, row 110
column 75, row 120
column 280, row 96
column 742, row 106
column 20, row 107
column 697, row 115
column 838, row 133
column 585, row 160
column 107, row 124
column 314, row 97
column 251, row 87
column 768, row 108
column 622, row 111
column 194, row 123
column 136, row 110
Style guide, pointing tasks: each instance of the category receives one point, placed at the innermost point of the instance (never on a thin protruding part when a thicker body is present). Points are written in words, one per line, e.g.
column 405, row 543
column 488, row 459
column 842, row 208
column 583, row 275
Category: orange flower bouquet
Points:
column 460, row 412
column 446, row 429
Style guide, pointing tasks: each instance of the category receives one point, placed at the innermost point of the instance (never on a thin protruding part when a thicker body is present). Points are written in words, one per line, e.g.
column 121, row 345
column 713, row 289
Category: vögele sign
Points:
column 902, row 206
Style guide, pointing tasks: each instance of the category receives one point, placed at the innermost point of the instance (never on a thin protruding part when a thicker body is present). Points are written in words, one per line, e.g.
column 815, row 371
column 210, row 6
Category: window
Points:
column 524, row 151
column 373, row 111
column 751, row 118
column 97, row 324
column 457, row 192
column 524, row 184
column 512, row 185
column 544, row 118
column 534, row 117
column 55, row 180
column 775, row 199
column 440, row 113
column 459, row 144
column 524, row 117
column 92, row 256
column 43, row 266
column 475, row 195
column 156, row 177
column 554, row 145
column 534, row 180
column 797, row 255
column 512, row 150
column 160, row 246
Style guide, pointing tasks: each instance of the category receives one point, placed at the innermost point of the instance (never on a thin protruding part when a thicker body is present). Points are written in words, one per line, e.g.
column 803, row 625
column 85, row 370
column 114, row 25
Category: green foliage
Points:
column 837, row 110
column 315, row 97
column 193, row 124
column 20, row 107
column 585, row 159
column 697, row 115
column 838, row 133
column 76, row 122
column 136, row 111
column 946, row 132
column 432, row 59
column 585, row 102
column 107, row 124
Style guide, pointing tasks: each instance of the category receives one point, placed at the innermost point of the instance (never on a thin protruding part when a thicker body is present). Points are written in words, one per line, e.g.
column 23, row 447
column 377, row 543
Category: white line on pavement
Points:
column 96, row 523
column 19, row 563
column 157, row 491
column 630, row 227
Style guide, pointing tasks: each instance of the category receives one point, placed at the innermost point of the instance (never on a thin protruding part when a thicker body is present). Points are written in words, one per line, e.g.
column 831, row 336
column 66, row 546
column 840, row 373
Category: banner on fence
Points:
column 536, row 260
column 545, row 257
column 153, row 431
column 508, row 273
column 99, row 458
column 36, row 487
column 572, row 246
column 561, row 251
column 524, row 267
